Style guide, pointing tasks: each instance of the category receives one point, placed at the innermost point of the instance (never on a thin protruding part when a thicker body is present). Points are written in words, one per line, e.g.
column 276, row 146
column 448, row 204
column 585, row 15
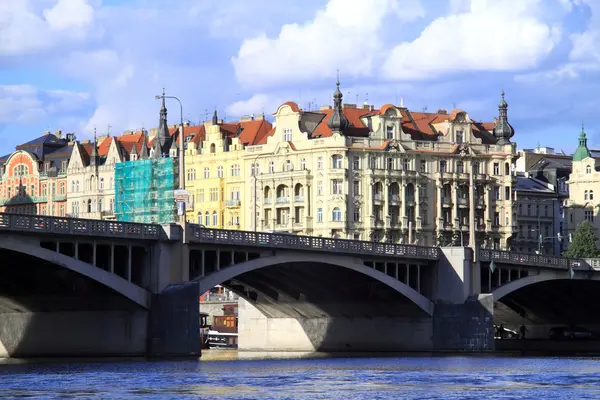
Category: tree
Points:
column 584, row 243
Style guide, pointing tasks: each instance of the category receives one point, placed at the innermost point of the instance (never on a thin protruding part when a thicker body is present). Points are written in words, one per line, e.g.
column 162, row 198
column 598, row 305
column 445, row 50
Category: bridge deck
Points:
column 200, row 234
column 40, row 224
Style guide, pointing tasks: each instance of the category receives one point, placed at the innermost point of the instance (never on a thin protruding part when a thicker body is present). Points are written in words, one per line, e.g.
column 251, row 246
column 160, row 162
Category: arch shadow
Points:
column 545, row 276
column 350, row 263
column 135, row 293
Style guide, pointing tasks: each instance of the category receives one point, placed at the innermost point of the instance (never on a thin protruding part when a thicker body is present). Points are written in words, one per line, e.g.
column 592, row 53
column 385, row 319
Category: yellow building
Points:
column 215, row 173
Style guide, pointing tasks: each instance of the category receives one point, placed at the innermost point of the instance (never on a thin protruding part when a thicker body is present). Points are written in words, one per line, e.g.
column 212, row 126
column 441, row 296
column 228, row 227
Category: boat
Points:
column 222, row 340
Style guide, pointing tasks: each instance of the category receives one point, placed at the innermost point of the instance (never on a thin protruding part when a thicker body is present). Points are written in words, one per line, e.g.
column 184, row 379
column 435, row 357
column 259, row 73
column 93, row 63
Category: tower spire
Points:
column 582, row 151
column 94, row 158
column 338, row 122
column 503, row 130
column 161, row 141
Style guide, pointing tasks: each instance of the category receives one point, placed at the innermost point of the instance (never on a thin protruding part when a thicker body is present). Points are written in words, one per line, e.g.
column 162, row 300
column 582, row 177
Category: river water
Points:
column 315, row 378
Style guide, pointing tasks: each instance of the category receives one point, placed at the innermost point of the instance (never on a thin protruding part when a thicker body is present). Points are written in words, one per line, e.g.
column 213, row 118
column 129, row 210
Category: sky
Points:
column 95, row 65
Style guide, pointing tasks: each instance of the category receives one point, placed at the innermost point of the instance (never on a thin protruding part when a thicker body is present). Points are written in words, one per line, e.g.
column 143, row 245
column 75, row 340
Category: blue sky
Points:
column 80, row 65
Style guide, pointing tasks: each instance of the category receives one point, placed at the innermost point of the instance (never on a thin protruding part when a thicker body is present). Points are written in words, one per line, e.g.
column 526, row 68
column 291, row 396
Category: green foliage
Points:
column 584, row 243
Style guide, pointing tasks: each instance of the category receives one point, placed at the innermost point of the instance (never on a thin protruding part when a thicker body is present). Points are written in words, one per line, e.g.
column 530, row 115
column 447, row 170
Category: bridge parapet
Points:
column 74, row 226
column 200, row 234
column 533, row 260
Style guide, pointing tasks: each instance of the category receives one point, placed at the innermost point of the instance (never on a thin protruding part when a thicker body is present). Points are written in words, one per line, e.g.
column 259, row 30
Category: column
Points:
column 418, row 205
column 454, row 204
column 472, row 210
column 439, row 214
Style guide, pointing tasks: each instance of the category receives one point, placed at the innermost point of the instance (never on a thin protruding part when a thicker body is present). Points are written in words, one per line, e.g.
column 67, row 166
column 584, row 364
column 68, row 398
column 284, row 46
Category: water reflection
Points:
column 231, row 375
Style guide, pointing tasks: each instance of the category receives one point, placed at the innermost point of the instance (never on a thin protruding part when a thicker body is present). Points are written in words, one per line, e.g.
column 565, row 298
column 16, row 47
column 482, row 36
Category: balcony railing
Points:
column 232, row 203
column 17, row 200
column 282, row 200
column 378, row 197
column 394, row 198
column 462, row 202
column 73, row 226
column 297, row 242
column 59, row 197
column 511, row 257
column 299, row 199
column 268, row 200
column 446, row 201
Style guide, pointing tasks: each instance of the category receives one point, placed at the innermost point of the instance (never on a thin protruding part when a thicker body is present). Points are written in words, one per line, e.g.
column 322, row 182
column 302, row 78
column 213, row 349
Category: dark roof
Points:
column 43, row 145
column 560, row 162
column 528, row 184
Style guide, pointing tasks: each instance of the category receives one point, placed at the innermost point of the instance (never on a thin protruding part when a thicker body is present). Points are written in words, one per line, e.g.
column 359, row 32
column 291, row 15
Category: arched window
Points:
column 591, row 195
column 303, row 164
column 271, row 166
column 215, row 218
column 336, row 161
column 101, row 183
column 213, row 148
column 337, row 214
column 206, row 219
column 506, row 169
column 73, row 186
column 588, row 169
column 199, row 217
column 288, row 166
column 585, row 195
column 100, row 205
column 89, row 206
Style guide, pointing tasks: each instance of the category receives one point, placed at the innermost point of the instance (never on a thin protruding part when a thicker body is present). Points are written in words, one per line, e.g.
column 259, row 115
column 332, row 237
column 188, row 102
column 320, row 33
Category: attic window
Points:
column 390, row 132
column 459, row 137
column 588, row 169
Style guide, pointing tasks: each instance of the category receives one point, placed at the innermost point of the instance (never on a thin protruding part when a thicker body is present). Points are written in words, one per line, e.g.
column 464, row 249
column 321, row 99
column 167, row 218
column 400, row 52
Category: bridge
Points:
column 88, row 287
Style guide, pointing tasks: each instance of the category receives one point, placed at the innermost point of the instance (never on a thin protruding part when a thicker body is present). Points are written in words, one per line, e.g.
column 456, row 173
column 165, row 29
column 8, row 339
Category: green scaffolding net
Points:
column 144, row 191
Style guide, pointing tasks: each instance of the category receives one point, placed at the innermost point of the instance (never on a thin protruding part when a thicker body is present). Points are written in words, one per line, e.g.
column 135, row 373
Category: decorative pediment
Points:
column 336, row 197
column 282, row 148
column 464, row 149
column 395, row 146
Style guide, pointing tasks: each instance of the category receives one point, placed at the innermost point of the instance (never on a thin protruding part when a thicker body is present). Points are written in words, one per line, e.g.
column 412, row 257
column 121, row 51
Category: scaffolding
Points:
column 144, row 191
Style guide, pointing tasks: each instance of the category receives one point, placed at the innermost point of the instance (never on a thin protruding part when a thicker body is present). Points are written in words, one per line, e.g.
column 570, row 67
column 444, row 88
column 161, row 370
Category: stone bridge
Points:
column 116, row 288
column 540, row 291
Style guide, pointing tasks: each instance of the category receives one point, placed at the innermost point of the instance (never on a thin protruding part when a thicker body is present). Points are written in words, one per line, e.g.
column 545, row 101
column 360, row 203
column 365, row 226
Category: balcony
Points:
column 23, row 200
column 233, row 203
column 462, row 202
column 59, row 197
column 395, row 223
column 410, row 200
column 299, row 199
column 446, row 201
column 378, row 223
column 394, row 199
column 378, row 197
column 282, row 200
column 446, row 226
column 480, row 202
column 268, row 200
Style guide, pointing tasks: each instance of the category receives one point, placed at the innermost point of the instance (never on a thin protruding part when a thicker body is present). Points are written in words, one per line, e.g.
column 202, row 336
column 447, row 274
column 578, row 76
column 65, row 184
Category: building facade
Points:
column 91, row 173
column 386, row 175
column 216, row 174
column 540, row 217
column 34, row 177
column 584, row 188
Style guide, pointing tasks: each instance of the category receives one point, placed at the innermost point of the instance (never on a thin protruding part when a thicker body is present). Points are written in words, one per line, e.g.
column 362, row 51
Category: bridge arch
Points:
column 351, row 263
column 125, row 288
column 543, row 276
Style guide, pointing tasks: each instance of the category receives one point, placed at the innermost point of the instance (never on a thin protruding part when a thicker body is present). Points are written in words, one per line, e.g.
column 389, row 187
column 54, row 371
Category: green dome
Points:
column 582, row 151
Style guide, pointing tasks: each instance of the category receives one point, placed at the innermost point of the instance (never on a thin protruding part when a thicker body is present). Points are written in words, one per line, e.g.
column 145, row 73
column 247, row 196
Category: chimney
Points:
column 220, row 122
column 46, row 133
column 372, row 108
column 246, row 118
column 366, row 106
column 349, row 106
column 58, row 133
column 260, row 118
column 325, row 108
column 442, row 111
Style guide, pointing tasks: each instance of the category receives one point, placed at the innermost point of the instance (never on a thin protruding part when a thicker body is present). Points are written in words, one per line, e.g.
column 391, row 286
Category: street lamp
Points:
column 181, row 157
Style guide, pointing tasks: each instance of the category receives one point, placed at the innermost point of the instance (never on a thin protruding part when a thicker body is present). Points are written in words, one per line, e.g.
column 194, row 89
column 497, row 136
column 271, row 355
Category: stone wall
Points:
column 465, row 327
column 73, row 334
column 214, row 308
column 259, row 333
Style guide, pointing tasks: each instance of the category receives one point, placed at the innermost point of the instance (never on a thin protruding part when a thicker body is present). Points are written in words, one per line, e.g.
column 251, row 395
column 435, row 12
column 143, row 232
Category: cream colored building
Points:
column 91, row 173
column 386, row 175
column 584, row 188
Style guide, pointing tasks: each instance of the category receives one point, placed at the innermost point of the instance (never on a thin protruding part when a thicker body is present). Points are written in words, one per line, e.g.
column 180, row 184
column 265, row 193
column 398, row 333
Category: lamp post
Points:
column 181, row 160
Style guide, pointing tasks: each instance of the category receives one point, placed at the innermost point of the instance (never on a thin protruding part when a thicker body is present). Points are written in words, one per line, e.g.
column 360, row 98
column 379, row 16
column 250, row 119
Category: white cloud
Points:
column 29, row 26
column 493, row 35
column 257, row 104
column 27, row 104
column 344, row 35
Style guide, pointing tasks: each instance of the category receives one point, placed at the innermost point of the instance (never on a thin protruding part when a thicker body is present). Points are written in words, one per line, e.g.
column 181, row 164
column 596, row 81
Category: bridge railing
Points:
column 200, row 234
column 511, row 257
column 76, row 226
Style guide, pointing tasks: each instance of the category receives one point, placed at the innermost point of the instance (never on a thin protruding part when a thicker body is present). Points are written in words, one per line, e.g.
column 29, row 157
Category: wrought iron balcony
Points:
column 283, row 200
column 232, row 203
